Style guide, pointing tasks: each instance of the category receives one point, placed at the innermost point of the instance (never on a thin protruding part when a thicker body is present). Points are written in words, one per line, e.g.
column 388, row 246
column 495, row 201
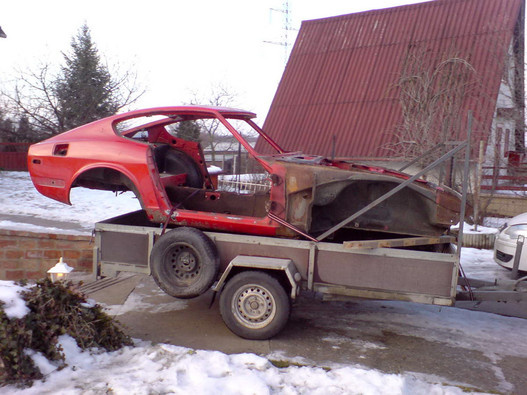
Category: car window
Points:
column 139, row 135
column 233, row 163
column 131, row 127
column 240, row 173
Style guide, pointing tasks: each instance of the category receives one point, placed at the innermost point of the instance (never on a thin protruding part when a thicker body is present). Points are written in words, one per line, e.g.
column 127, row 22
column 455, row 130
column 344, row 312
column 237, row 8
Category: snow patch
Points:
column 136, row 302
column 14, row 305
column 162, row 368
column 20, row 198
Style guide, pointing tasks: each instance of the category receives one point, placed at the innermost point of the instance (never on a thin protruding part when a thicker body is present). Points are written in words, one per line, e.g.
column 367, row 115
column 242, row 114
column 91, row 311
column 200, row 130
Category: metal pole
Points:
column 462, row 210
column 465, row 186
column 517, row 256
column 477, row 188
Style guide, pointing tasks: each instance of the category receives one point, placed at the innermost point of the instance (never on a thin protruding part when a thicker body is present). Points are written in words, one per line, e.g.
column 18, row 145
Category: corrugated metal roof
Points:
column 341, row 78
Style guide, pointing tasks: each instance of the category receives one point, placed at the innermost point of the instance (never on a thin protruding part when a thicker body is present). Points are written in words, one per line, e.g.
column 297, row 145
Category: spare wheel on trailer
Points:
column 184, row 262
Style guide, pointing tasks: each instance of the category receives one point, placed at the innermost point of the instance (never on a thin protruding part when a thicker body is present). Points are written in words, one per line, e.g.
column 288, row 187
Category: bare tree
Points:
column 501, row 166
column 431, row 95
column 32, row 97
column 213, row 134
column 53, row 99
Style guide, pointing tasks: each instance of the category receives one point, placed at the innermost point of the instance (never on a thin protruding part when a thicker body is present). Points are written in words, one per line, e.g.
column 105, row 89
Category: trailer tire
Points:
column 254, row 305
column 184, row 262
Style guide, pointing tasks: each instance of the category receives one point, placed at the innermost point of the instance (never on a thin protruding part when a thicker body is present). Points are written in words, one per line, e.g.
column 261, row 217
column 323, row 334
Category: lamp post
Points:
column 60, row 271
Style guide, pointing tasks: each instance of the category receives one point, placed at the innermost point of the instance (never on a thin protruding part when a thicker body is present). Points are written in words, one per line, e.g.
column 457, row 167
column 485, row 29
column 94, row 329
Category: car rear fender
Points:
column 108, row 176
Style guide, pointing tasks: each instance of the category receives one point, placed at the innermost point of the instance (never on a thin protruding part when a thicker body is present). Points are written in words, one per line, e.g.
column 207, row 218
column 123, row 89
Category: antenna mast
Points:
column 286, row 28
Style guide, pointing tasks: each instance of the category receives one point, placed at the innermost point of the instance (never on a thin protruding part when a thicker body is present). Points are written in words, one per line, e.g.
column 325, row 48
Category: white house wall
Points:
column 502, row 139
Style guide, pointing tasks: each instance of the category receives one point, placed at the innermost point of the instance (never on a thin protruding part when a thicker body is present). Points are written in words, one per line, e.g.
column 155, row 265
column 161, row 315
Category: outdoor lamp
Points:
column 60, row 271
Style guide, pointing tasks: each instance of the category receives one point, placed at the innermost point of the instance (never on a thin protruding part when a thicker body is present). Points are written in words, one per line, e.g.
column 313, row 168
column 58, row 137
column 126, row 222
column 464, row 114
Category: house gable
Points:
column 343, row 89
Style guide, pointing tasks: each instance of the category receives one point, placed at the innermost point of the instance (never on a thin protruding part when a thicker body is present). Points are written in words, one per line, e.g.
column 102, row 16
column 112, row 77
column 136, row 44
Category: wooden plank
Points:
column 404, row 242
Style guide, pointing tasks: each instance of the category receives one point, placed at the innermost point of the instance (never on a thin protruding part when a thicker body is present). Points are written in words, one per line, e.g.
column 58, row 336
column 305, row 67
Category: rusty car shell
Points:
column 307, row 195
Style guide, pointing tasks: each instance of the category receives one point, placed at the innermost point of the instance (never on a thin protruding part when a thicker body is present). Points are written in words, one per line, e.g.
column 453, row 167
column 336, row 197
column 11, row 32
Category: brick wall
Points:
column 27, row 255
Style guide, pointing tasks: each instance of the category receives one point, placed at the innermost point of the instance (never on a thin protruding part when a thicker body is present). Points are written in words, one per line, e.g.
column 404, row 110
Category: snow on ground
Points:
column 25, row 226
column 24, row 206
column 464, row 329
column 468, row 228
column 160, row 368
column 480, row 264
column 136, row 302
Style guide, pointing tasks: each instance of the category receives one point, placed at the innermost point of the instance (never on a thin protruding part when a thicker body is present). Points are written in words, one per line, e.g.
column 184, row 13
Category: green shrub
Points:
column 55, row 310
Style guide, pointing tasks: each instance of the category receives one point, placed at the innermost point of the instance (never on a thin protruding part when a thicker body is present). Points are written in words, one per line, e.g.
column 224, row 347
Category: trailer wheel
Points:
column 254, row 305
column 184, row 262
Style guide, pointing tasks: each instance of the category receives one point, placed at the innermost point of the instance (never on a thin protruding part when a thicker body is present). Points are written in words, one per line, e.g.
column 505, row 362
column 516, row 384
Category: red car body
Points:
column 307, row 196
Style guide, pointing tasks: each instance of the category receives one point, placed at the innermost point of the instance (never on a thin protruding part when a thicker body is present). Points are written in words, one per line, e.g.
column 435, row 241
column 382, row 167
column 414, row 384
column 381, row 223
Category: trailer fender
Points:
column 262, row 263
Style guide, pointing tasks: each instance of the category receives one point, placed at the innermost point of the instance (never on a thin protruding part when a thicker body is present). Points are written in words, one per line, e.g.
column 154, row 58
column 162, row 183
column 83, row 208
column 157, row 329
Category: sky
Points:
column 177, row 48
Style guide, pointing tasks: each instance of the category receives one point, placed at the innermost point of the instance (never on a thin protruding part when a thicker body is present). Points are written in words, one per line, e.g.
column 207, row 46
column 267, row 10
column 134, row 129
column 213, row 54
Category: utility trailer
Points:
column 258, row 277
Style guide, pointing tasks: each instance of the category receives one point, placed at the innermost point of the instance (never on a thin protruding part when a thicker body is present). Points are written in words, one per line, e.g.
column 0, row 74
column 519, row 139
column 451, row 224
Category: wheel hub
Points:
column 254, row 306
column 184, row 263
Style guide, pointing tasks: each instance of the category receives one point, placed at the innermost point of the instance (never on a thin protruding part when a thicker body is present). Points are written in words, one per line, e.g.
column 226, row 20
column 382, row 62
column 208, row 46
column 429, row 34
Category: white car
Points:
column 506, row 241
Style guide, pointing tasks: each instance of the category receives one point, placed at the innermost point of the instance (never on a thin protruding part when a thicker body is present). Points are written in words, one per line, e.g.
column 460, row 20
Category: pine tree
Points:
column 82, row 90
column 23, row 131
column 188, row 130
column 85, row 90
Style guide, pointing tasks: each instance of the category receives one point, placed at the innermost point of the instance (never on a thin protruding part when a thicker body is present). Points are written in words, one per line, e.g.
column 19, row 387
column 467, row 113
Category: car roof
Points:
column 197, row 109
column 188, row 112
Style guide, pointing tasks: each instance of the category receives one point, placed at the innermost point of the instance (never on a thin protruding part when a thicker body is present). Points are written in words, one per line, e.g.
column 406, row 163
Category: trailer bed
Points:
column 124, row 243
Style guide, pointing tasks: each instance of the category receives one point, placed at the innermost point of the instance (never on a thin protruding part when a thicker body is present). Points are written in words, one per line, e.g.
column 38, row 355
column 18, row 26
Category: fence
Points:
column 511, row 178
column 13, row 156
column 242, row 186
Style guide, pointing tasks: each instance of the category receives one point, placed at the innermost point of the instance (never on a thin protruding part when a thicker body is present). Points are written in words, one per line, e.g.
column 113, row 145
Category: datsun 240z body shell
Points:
column 307, row 195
